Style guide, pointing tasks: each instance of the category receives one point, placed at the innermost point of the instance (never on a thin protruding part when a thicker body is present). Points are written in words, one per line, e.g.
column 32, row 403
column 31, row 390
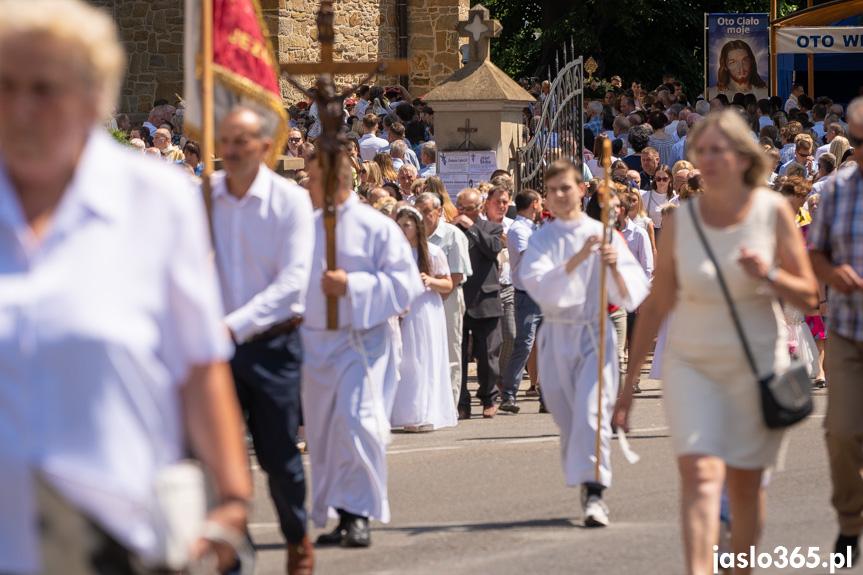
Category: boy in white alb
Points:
column 346, row 370
column 561, row 272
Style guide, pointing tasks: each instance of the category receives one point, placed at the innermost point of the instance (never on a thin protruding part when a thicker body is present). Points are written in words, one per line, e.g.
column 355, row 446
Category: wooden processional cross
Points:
column 331, row 143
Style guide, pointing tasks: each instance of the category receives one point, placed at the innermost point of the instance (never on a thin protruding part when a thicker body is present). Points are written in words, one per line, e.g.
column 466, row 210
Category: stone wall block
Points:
column 174, row 62
column 170, row 48
column 135, row 64
column 420, row 43
column 160, row 24
column 272, row 4
column 139, row 9
column 124, row 10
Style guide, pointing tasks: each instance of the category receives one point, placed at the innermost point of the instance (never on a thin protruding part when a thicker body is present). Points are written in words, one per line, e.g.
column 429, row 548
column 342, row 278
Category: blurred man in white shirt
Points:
column 262, row 230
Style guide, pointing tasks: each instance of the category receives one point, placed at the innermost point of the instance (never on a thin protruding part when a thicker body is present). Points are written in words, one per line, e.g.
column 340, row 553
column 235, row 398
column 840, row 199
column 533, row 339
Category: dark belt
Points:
column 280, row 328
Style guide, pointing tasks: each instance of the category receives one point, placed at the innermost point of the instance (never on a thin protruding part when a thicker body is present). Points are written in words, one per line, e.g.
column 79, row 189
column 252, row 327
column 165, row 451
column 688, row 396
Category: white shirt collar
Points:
column 79, row 193
column 520, row 218
column 260, row 187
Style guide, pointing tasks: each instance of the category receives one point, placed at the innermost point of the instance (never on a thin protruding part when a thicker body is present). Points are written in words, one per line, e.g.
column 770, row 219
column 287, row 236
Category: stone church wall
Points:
column 366, row 30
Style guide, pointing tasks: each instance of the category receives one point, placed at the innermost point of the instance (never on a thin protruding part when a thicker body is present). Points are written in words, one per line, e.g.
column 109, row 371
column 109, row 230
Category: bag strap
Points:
column 696, row 222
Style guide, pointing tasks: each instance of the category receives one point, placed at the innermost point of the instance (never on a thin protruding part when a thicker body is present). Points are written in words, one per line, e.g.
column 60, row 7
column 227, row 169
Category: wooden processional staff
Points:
column 607, row 227
column 331, row 143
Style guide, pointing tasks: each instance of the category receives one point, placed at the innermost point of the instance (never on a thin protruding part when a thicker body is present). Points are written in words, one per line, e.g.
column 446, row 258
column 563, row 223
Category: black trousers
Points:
column 267, row 376
column 487, row 340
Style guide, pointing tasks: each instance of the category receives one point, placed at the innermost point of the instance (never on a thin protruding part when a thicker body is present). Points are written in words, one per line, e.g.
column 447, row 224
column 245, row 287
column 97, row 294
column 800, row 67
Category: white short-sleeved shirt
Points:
column 653, row 202
column 516, row 243
column 101, row 319
column 454, row 245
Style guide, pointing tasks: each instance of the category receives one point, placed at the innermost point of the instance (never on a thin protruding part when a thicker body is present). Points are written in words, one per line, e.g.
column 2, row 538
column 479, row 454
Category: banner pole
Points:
column 811, row 65
column 774, row 72
column 706, row 53
column 207, row 107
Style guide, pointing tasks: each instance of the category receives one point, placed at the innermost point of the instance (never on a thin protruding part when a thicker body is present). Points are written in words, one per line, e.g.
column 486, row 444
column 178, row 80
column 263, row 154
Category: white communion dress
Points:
column 424, row 393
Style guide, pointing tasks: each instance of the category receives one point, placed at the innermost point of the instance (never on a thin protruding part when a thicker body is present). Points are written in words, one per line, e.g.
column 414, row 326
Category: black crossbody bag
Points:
column 786, row 397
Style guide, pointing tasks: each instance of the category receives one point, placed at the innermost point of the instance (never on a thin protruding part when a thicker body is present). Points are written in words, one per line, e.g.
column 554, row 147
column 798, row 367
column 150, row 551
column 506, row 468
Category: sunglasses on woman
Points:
column 662, row 179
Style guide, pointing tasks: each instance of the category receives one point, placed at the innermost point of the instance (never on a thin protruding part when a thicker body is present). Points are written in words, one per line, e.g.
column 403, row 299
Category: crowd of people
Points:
column 124, row 348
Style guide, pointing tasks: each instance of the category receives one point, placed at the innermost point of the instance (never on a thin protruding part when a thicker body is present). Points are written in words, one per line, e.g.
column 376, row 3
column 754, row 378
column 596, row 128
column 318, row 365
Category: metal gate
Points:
column 559, row 132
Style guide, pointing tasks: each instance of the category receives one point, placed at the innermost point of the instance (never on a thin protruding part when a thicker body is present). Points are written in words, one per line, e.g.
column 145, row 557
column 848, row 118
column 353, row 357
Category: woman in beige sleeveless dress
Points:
column 712, row 398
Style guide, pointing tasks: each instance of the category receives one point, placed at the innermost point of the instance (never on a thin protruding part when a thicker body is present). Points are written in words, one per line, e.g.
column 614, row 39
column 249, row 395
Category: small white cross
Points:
column 479, row 28
column 476, row 27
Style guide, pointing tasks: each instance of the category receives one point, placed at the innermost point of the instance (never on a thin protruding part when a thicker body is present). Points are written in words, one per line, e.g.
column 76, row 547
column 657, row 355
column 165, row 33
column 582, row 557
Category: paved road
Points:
column 489, row 497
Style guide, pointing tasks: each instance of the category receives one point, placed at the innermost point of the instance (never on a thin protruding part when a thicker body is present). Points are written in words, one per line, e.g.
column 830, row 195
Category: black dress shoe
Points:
column 509, row 406
column 357, row 533
column 542, row 408
column 843, row 542
column 334, row 537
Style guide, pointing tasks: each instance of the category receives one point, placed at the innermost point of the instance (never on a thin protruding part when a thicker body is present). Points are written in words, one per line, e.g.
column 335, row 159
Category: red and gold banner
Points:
column 245, row 69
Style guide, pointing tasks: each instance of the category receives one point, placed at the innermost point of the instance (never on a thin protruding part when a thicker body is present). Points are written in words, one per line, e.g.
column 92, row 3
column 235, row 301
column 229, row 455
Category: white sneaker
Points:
column 595, row 510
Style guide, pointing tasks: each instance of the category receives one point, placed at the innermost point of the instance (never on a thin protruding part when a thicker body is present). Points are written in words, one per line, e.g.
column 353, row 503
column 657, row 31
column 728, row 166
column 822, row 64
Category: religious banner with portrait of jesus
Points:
column 737, row 55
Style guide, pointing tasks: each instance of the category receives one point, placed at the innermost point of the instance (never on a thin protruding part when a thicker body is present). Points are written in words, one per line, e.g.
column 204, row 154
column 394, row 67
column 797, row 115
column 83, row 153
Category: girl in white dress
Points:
column 423, row 400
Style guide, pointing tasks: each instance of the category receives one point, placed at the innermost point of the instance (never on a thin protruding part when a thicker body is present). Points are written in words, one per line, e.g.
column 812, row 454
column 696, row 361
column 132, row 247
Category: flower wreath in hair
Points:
column 410, row 209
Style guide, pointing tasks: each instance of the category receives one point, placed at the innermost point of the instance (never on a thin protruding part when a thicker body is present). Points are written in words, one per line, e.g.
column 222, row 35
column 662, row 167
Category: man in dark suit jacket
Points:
column 482, row 303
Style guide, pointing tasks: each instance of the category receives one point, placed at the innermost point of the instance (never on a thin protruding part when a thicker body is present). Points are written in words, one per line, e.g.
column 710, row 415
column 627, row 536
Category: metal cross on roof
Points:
column 479, row 29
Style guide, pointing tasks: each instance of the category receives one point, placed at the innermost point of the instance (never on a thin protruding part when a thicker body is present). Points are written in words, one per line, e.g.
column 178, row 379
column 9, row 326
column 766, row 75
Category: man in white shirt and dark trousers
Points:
column 262, row 230
column 528, row 316
column 454, row 244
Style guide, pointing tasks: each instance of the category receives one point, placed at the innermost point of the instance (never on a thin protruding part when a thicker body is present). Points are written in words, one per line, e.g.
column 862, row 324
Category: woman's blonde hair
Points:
column 385, row 162
column 838, row 147
column 385, row 205
column 373, row 173
column 88, row 31
column 681, row 165
column 736, row 131
column 418, row 186
column 639, row 201
column 435, row 185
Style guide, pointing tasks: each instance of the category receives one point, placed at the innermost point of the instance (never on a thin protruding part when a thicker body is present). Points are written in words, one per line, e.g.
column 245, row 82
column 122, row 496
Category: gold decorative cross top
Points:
column 331, row 144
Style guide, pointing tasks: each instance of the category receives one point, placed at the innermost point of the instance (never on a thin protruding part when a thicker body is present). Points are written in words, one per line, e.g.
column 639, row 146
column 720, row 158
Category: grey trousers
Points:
column 453, row 306
column 72, row 544
column 507, row 327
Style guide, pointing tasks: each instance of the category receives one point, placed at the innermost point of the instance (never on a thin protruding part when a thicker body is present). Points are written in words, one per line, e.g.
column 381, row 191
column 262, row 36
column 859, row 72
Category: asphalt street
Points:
column 488, row 497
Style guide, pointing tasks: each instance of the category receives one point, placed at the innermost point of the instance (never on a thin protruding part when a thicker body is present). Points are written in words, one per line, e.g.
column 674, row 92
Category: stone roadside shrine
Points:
column 478, row 111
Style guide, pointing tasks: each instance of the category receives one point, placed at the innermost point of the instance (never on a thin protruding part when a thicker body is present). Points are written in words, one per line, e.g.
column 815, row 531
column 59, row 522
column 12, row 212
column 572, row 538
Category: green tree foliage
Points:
column 636, row 39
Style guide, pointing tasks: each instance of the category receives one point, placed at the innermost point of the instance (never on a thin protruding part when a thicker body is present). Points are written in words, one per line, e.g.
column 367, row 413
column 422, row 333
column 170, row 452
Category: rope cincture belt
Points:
column 628, row 453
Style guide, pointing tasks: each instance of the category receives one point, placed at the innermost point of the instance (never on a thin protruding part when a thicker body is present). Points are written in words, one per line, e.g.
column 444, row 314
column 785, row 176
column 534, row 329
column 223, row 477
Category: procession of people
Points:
column 152, row 313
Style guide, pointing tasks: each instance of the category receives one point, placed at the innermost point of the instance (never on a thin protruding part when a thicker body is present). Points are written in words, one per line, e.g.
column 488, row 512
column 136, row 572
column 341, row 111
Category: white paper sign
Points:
column 453, row 162
column 484, row 162
column 454, row 184
column 474, row 179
